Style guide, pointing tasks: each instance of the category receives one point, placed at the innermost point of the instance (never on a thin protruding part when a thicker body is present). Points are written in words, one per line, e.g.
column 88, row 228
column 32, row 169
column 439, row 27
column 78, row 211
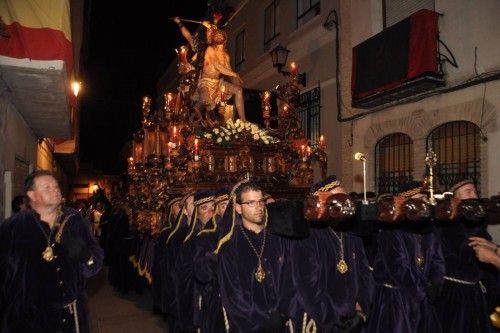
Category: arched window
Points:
column 393, row 162
column 456, row 145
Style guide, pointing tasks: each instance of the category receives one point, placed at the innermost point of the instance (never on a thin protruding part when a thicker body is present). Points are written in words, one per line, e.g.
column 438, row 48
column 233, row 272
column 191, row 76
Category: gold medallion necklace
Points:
column 342, row 264
column 260, row 274
column 48, row 253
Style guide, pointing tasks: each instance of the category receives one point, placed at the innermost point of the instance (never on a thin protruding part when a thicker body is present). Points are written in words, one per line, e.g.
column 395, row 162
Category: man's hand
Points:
column 206, row 24
column 486, row 255
column 177, row 20
column 479, row 241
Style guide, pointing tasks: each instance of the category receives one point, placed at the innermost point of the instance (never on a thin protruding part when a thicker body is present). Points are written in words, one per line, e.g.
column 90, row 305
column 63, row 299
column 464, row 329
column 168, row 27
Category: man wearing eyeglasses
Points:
column 253, row 267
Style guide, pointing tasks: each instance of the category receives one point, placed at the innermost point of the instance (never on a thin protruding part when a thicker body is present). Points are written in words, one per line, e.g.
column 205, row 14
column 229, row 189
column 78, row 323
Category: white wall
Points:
column 467, row 25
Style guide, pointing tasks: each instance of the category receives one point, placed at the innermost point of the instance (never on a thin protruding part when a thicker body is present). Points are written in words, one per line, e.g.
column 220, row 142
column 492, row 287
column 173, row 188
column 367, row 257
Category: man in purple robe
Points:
column 408, row 271
column 187, row 292
column 46, row 254
column 331, row 274
column 172, row 250
column 254, row 267
column 462, row 306
column 209, row 311
column 157, row 288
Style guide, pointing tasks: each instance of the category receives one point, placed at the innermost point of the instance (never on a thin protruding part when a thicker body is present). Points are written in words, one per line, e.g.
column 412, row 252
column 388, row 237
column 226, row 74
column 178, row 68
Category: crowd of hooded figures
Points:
column 235, row 260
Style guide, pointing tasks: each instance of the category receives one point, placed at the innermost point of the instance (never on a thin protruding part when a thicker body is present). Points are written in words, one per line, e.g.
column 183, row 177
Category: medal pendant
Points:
column 419, row 259
column 342, row 266
column 260, row 275
column 48, row 254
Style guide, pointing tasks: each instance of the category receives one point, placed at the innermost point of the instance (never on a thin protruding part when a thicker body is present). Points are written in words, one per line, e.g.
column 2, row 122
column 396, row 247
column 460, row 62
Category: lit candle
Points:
column 169, row 150
column 266, row 106
column 169, row 99
column 308, row 151
column 145, row 106
column 267, row 94
column 294, row 69
column 130, row 165
column 196, row 157
column 303, row 151
column 222, row 94
column 174, row 134
column 183, row 54
column 322, row 142
column 285, row 110
column 145, row 102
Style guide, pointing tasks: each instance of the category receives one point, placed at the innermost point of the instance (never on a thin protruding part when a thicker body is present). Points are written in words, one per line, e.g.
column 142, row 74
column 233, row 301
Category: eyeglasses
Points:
column 254, row 203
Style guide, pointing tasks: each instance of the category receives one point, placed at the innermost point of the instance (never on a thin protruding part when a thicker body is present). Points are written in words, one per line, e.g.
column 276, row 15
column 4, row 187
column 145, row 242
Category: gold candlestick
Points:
column 431, row 160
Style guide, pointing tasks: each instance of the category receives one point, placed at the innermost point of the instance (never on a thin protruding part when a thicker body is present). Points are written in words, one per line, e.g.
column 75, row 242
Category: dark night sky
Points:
column 129, row 49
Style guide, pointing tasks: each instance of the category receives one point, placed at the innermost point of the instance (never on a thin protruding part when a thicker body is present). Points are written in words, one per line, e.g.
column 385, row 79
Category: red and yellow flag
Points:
column 38, row 29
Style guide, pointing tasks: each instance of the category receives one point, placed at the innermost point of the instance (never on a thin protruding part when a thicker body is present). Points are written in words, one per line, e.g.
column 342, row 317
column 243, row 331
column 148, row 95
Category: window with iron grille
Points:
column 306, row 10
column 393, row 162
column 271, row 23
column 308, row 109
column 239, row 51
column 456, row 145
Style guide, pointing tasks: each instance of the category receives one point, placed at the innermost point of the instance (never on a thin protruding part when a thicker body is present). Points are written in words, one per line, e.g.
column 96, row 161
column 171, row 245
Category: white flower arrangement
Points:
column 238, row 130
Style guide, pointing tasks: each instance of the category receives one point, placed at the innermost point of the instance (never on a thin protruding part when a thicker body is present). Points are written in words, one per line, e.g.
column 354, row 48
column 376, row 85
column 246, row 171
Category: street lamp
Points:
column 279, row 56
